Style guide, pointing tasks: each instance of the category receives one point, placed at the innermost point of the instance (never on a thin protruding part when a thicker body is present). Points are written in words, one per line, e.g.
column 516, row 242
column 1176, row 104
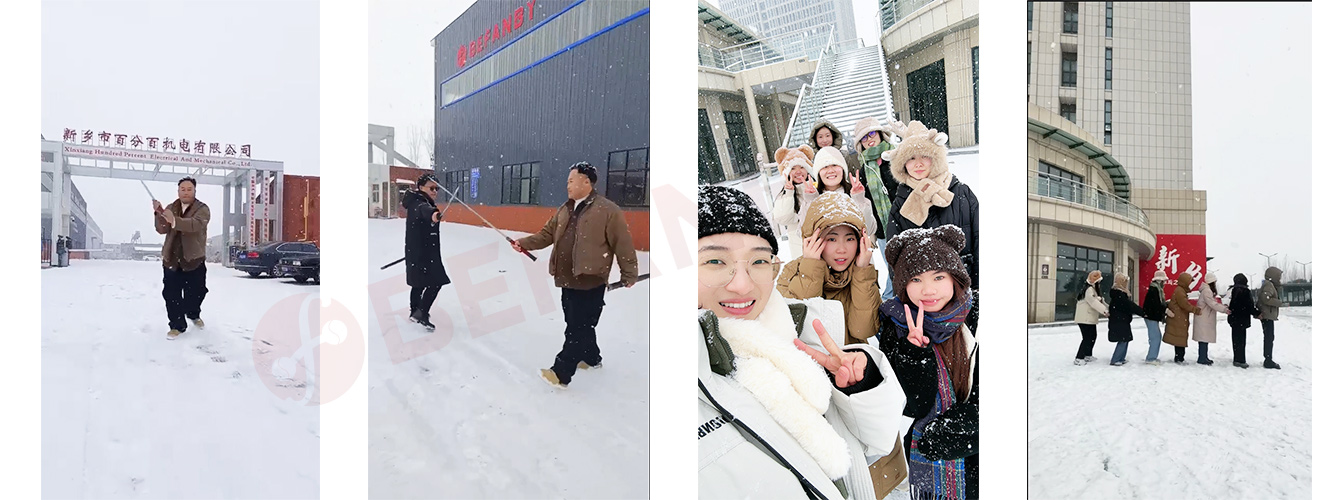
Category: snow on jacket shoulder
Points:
column 733, row 464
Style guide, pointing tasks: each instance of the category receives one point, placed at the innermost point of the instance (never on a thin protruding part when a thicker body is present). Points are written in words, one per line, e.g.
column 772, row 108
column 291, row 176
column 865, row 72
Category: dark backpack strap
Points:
column 798, row 316
column 812, row 492
column 720, row 356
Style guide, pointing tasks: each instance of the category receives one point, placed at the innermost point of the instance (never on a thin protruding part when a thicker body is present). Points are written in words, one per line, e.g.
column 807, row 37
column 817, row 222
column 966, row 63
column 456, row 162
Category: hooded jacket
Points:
column 804, row 278
column 790, row 204
column 1242, row 307
column 963, row 210
column 1121, row 311
column 851, row 161
column 733, row 463
column 1269, row 296
column 423, row 247
column 1204, row 324
column 1176, row 328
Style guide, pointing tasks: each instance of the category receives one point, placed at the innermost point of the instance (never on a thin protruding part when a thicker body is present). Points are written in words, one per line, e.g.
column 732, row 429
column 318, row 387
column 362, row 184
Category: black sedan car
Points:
column 267, row 258
column 302, row 268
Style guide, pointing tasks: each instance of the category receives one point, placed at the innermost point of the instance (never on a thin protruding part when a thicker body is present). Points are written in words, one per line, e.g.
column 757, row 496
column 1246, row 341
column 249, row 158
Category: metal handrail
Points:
column 819, row 65
column 1052, row 186
column 777, row 48
column 907, row 8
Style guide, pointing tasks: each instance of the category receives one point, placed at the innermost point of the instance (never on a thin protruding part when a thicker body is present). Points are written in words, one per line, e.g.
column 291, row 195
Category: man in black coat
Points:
column 423, row 255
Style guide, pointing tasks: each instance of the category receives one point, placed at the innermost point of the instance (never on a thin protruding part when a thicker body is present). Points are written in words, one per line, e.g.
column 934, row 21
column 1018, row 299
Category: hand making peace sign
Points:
column 916, row 336
column 847, row 367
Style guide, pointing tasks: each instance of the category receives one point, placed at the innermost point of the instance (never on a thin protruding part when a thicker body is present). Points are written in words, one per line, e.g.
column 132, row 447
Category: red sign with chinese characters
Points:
column 1176, row 253
column 153, row 143
column 493, row 34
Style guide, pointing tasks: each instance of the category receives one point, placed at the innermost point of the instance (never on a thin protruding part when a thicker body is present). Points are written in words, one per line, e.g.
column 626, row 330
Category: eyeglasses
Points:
column 433, row 188
column 718, row 272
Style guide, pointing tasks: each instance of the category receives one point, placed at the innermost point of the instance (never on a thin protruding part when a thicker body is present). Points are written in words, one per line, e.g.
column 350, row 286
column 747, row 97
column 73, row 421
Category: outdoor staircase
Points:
column 850, row 83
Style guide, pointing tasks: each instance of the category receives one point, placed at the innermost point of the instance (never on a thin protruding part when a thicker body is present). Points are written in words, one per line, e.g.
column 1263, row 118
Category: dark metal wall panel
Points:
column 578, row 106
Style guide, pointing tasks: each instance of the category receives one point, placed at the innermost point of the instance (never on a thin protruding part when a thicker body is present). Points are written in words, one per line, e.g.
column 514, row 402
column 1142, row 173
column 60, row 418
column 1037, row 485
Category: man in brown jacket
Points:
column 587, row 233
column 184, row 222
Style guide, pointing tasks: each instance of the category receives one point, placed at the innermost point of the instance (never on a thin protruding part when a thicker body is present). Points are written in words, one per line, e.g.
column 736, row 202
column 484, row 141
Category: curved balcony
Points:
column 1070, row 203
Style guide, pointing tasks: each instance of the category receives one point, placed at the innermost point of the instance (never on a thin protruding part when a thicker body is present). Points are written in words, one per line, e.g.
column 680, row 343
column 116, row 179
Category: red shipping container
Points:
column 302, row 209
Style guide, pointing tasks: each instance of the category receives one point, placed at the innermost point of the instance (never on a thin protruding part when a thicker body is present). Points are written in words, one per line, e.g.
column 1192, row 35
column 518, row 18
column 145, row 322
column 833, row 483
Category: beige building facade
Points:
column 1109, row 133
column 932, row 62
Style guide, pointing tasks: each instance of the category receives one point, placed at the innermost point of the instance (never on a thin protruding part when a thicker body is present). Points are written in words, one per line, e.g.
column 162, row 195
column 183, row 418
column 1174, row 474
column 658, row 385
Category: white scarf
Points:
column 787, row 382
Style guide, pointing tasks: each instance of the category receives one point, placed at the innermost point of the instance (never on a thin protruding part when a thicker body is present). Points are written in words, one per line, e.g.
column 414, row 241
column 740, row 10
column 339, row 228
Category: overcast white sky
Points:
column 1251, row 85
column 240, row 72
column 400, row 67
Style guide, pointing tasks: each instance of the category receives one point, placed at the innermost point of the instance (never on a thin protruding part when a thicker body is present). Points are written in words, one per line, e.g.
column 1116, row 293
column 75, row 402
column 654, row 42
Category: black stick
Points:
column 620, row 284
column 394, row 262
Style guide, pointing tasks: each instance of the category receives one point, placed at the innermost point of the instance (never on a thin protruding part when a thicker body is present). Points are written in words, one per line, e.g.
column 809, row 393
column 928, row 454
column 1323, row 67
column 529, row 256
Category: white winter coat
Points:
column 1204, row 325
column 1088, row 310
column 732, row 465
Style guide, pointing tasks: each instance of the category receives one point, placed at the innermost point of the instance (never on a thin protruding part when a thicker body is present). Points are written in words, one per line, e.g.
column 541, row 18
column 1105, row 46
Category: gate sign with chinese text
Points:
column 1175, row 254
column 154, row 143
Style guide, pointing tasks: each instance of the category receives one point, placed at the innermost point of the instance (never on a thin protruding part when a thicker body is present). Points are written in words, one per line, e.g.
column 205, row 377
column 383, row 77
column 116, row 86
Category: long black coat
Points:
column 963, row 212
column 951, row 435
column 423, row 251
column 1152, row 307
column 1242, row 307
column 1121, row 311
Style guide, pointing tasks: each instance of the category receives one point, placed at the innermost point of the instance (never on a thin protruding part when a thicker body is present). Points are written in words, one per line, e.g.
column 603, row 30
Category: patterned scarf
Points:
column 937, row 326
column 935, row 479
column 871, row 164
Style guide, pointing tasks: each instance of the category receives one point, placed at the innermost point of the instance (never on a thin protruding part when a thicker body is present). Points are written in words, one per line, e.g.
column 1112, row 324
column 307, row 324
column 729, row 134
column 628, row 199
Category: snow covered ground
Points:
column 463, row 412
column 1171, row 431
column 127, row 413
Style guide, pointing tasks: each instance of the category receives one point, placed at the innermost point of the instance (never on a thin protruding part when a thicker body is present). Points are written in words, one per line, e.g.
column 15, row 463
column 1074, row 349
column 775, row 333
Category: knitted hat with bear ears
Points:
column 795, row 157
column 916, row 251
column 917, row 141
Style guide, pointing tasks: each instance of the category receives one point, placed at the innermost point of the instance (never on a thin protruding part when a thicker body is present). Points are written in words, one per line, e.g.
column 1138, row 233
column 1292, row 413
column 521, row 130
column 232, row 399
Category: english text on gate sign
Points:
column 498, row 31
column 149, row 156
column 154, row 143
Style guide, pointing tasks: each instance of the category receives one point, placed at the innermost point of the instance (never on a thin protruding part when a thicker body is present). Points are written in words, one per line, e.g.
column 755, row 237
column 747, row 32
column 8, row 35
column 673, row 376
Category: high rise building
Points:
column 1110, row 149
column 770, row 18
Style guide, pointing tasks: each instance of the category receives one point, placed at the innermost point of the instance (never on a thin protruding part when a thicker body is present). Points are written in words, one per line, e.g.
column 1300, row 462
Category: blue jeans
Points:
column 1152, row 338
column 1120, row 353
column 889, row 291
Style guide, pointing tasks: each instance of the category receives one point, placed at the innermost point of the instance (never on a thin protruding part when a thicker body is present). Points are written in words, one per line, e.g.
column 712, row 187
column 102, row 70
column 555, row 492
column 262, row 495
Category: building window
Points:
column 1069, row 69
column 374, row 194
column 1029, row 16
column 48, row 157
column 627, row 177
column 458, row 182
column 1050, row 169
column 1074, row 263
column 710, row 166
column 1108, row 68
column 1070, row 17
column 1068, row 111
column 521, row 183
column 1108, row 122
column 1109, row 19
column 974, row 54
column 1028, row 54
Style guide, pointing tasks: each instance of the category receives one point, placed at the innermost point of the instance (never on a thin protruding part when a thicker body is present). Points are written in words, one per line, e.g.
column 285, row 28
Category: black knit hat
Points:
column 916, row 251
column 1241, row 279
column 726, row 210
